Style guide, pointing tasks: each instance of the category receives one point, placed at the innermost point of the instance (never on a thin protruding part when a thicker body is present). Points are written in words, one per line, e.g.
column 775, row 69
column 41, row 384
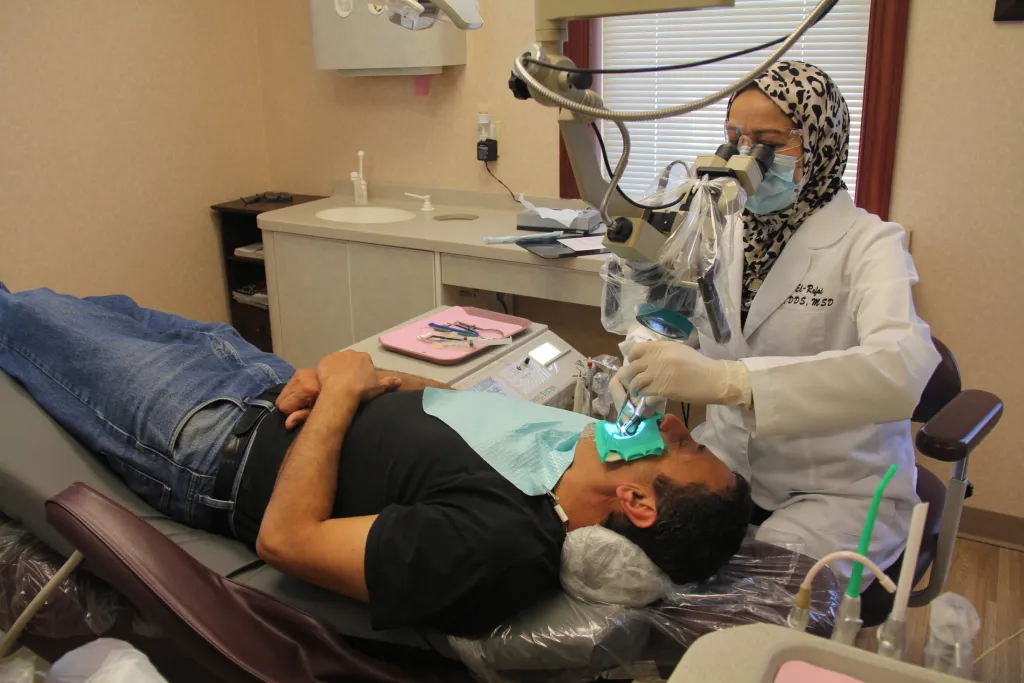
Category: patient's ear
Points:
column 638, row 504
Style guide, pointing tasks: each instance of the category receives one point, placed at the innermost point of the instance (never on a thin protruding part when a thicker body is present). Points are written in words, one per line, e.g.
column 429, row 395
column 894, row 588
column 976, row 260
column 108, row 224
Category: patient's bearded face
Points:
column 688, row 462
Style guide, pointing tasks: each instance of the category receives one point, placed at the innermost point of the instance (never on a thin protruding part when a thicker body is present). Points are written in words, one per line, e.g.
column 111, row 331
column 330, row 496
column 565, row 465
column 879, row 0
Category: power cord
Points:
column 674, row 67
column 501, row 300
column 512, row 194
column 611, row 174
column 998, row 645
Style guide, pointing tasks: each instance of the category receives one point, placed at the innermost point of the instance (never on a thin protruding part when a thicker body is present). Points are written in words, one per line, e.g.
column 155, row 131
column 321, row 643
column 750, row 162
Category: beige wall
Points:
column 318, row 120
column 958, row 186
column 120, row 123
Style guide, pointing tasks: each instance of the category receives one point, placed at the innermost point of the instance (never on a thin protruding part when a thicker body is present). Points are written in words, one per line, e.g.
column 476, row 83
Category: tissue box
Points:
column 587, row 222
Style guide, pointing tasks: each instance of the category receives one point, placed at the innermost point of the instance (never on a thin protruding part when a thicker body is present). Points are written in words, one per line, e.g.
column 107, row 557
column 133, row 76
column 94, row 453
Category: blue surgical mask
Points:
column 778, row 189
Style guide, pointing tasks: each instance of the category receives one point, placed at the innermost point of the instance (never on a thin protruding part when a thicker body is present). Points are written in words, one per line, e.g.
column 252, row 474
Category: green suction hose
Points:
column 853, row 590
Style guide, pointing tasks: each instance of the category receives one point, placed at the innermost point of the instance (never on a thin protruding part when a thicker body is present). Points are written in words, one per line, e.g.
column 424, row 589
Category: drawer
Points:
column 542, row 282
column 253, row 324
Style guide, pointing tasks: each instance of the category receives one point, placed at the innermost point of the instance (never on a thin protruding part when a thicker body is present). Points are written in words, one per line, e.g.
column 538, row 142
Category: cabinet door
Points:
column 389, row 286
column 309, row 297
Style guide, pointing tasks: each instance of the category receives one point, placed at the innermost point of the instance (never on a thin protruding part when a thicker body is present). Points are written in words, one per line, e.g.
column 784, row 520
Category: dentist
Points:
column 812, row 400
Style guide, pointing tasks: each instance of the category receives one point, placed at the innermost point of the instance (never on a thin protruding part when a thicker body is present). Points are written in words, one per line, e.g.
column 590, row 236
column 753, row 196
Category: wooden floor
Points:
column 992, row 579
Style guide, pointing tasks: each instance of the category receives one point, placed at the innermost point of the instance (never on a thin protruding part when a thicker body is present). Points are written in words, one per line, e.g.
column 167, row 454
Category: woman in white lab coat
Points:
column 812, row 399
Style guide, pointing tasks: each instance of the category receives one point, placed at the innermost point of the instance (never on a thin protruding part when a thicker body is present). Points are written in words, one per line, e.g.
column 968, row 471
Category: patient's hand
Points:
column 352, row 372
column 298, row 397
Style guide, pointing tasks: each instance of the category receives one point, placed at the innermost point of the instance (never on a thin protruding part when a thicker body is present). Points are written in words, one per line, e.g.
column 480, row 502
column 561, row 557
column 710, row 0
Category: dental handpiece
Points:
column 632, row 414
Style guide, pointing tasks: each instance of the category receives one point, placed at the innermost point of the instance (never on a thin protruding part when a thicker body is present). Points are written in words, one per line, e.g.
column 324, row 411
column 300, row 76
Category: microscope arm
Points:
column 587, row 165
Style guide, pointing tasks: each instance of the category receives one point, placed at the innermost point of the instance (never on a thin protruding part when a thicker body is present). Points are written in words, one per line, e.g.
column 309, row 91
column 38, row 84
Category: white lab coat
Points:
column 838, row 360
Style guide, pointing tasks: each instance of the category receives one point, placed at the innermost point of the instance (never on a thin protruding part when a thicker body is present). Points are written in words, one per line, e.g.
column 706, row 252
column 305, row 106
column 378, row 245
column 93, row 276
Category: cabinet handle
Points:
column 344, row 7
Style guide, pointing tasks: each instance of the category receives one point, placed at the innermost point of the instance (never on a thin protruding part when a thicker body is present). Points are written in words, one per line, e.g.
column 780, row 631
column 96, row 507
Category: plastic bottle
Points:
column 954, row 624
column 484, row 126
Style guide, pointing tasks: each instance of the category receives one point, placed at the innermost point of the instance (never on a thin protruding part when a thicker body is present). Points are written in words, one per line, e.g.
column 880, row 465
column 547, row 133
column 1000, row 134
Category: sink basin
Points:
column 365, row 214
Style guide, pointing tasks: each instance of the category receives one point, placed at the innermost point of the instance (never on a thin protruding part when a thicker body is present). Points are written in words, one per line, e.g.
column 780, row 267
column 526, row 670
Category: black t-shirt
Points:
column 455, row 545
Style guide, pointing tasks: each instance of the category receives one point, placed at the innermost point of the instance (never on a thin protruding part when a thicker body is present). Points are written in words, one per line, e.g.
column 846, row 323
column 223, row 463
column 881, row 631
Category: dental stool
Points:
column 954, row 422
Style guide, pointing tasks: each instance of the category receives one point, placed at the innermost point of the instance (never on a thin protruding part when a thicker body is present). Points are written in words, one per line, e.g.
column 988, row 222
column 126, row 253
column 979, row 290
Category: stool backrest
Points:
column 942, row 387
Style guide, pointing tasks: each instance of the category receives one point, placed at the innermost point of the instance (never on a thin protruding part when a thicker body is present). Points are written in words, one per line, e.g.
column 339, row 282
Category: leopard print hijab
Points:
column 810, row 98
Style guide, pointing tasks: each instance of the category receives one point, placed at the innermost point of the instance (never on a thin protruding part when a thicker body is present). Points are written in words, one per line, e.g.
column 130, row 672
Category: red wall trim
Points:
column 883, row 81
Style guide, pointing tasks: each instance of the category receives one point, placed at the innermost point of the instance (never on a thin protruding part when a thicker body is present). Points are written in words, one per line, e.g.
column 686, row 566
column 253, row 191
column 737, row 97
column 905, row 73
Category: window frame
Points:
column 883, row 80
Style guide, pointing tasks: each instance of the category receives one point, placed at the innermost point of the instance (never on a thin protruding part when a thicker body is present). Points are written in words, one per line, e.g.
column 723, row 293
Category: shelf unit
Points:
column 237, row 221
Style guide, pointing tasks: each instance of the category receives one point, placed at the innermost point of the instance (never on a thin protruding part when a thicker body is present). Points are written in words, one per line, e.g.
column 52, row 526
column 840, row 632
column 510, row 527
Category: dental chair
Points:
column 953, row 423
column 205, row 608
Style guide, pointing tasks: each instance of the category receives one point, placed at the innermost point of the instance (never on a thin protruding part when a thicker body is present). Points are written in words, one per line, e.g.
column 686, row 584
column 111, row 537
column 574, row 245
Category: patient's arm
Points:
column 297, row 535
column 298, row 397
column 412, row 382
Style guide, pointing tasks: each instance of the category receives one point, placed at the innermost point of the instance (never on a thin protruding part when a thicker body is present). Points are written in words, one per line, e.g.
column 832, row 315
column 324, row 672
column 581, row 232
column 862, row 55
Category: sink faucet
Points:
column 359, row 182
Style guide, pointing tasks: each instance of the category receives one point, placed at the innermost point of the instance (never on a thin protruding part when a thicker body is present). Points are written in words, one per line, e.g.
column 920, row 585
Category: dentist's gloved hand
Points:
column 620, row 393
column 678, row 372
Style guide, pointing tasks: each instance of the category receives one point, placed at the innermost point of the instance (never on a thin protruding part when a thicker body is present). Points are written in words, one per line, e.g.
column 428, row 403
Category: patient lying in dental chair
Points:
column 343, row 475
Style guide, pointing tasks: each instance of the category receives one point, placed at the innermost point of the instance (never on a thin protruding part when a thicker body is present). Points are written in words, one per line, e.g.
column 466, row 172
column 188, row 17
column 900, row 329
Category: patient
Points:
column 340, row 477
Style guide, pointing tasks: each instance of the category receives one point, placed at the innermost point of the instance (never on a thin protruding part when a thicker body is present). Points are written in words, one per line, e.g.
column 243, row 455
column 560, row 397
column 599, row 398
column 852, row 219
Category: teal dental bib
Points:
column 529, row 444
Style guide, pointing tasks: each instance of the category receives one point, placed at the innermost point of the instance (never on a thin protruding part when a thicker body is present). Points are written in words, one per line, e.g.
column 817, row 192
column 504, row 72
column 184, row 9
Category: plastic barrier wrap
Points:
column 572, row 640
column 686, row 287
column 104, row 661
column 83, row 605
column 603, row 405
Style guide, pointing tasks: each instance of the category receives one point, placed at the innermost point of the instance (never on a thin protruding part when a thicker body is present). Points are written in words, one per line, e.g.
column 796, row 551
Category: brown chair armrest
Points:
column 958, row 428
column 236, row 633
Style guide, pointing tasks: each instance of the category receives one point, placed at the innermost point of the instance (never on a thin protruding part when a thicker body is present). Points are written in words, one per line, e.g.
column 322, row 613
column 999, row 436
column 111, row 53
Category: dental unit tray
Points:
column 406, row 340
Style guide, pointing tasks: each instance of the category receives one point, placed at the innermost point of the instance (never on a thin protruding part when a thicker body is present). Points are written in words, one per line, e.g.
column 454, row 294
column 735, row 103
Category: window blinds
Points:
column 837, row 45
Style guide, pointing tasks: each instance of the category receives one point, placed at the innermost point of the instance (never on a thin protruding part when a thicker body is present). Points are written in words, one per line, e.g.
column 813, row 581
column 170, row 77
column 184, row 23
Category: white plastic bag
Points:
column 22, row 667
column 104, row 661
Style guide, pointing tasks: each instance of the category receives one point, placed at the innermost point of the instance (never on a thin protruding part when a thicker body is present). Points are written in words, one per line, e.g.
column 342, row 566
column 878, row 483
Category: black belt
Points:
column 232, row 454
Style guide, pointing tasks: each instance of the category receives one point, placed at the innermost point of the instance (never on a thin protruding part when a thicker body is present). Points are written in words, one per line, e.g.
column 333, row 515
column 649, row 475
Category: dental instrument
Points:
column 470, row 343
column 454, row 330
column 892, row 635
column 848, row 621
column 800, row 614
column 476, row 328
column 629, row 420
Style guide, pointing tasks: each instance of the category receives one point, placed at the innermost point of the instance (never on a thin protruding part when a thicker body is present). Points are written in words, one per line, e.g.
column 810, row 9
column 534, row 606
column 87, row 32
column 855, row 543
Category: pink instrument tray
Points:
column 406, row 340
column 795, row 671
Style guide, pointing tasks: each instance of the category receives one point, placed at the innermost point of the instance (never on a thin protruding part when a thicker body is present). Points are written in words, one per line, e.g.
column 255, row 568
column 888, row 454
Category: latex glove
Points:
column 675, row 371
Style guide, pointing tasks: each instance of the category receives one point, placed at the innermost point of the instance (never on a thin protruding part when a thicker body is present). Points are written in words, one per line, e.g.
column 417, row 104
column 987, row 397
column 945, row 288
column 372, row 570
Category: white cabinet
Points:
column 326, row 294
column 310, row 298
column 355, row 37
column 389, row 286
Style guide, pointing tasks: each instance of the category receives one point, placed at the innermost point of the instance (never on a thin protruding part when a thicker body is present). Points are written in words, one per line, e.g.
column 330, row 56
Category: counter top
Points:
column 464, row 238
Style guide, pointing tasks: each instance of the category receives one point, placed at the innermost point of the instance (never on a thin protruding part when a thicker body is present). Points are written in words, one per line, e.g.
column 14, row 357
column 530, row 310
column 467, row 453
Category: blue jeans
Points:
column 155, row 394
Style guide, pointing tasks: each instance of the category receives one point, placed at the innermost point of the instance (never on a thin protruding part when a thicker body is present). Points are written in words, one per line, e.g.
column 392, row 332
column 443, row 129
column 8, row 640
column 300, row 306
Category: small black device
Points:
column 487, row 150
